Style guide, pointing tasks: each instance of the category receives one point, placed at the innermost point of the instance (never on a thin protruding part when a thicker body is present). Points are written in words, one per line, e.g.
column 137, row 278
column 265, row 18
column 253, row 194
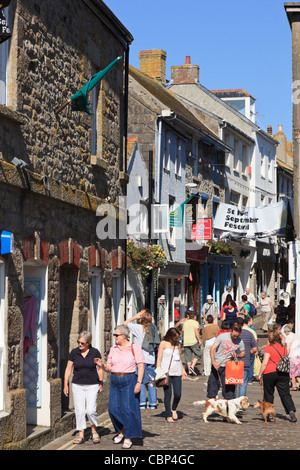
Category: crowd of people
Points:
column 142, row 359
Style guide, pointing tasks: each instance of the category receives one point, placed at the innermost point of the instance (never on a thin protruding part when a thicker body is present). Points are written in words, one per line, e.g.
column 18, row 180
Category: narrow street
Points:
column 190, row 433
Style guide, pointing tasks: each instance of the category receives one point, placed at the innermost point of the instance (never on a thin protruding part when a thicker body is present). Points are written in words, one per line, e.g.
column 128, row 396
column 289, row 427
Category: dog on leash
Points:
column 266, row 408
column 225, row 408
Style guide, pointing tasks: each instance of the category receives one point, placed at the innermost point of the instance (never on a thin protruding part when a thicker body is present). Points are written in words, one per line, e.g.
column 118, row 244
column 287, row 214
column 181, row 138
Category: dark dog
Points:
column 266, row 408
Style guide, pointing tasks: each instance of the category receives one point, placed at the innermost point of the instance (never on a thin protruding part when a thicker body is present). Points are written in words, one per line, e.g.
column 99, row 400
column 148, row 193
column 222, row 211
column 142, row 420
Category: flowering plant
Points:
column 220, row 247
column 143, row 257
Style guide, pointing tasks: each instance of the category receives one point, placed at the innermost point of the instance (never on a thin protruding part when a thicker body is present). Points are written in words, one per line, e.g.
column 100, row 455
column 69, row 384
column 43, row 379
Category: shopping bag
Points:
column 257, row 365
column 234, row 373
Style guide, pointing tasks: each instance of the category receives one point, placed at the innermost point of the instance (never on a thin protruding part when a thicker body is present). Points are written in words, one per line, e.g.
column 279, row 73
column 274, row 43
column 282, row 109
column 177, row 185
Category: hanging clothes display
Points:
column 29, row 322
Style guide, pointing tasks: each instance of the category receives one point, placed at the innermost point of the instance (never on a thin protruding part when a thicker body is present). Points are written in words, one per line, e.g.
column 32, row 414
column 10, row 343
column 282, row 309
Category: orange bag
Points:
column 234, row 373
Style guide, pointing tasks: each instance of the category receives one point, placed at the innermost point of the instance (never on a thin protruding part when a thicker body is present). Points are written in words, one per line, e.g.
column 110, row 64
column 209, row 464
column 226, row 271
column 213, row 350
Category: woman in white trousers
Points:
column 87, row 382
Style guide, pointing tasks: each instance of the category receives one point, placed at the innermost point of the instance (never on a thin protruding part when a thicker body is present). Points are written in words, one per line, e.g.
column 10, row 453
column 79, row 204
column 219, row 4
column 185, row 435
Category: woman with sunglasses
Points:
column 125, row 386
column 87, row 382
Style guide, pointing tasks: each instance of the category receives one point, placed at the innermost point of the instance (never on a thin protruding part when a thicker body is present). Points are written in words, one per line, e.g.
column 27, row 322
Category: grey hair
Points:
column 86, row 335
column 288, row 328
column 124, row 330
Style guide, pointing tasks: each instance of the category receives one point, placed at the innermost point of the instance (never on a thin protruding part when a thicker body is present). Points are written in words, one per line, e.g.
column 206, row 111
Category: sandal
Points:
column 293, row 389
column 78, row 440
column 119, row 438
column 171, row 420
column 127, row 444
column 95, row 438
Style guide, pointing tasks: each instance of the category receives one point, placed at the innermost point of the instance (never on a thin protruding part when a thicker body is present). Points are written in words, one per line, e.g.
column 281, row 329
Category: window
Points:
column 234, row 198
column 160, row 218
column 228, row 155
column 244, row 201
column 244, row 159
column 2, row 336
column 178, row 157
column 236, row 155
column 270, row 167
column 167, row 149
column 262, row 164
column 204, row 199
column 195, row 157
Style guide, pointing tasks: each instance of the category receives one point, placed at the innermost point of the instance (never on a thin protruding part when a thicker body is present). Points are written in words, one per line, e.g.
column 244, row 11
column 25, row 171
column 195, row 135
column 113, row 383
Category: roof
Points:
column 234, row 93
column 170, row 100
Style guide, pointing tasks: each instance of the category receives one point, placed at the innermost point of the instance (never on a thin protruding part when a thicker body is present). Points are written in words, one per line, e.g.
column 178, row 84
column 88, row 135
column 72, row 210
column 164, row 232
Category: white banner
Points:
column 251, row 222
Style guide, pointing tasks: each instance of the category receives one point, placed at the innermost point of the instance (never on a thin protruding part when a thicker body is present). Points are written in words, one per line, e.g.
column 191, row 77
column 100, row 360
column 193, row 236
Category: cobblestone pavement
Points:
column 190, row 433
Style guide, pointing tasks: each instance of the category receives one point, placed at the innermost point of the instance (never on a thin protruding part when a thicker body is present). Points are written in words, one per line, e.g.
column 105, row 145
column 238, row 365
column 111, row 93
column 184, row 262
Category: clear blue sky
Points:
column 236, row 43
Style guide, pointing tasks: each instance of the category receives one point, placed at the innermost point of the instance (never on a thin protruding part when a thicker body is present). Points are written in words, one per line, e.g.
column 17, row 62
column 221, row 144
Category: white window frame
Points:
column 160, row 218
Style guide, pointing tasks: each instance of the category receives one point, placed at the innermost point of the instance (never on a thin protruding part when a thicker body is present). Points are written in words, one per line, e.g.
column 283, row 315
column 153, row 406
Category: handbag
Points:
column 283, row 364
column 234, row 372
column 164, row 382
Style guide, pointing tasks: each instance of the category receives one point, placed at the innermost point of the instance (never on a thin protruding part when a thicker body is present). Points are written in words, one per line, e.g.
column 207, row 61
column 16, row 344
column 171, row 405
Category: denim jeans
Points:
column 242, row 389
column 175, row 383
column 216, row 378
column 149, row 372
column 124, row 406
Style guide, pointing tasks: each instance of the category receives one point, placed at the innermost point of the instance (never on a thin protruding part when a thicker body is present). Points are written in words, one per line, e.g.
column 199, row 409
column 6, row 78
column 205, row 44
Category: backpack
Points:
column 253, row 310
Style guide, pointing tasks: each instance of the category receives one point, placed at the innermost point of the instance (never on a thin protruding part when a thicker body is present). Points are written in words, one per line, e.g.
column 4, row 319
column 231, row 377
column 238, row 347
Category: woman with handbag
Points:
column 125, row 386
column 168, row 359
column 275, row 373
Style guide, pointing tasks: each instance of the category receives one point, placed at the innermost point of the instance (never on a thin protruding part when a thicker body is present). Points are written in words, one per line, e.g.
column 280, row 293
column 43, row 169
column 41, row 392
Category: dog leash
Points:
column 262, row 391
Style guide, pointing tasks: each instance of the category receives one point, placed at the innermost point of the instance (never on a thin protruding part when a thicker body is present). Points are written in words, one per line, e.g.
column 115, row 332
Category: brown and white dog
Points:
column 225, row 408
column 266, row 408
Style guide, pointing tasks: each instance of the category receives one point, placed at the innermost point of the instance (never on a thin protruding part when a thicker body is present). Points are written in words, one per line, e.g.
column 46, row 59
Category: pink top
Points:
column 124, row 361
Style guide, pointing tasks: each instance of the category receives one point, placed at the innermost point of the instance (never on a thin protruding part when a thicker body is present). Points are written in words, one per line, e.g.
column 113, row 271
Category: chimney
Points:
column 153, row 63
column 186, row 73
column 270, row 130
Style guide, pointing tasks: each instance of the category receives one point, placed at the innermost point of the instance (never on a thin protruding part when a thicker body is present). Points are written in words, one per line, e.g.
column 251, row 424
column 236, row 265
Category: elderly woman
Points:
column 146, row 336
column 267, row 310
column 86, row 383
column 125, row 386
column 272, row 378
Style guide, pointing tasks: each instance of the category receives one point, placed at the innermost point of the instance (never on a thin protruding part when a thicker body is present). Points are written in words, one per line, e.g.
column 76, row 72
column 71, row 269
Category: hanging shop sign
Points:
column 7, row 242
column 251, row 222
column 202, row 230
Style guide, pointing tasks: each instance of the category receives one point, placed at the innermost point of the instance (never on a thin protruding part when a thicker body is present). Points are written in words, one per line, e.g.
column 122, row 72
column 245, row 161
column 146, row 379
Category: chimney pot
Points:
column 187, row 59
column 270, row 130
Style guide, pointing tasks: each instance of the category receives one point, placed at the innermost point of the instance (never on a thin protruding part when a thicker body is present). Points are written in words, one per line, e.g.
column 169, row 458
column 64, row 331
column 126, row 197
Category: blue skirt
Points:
column 124, row 406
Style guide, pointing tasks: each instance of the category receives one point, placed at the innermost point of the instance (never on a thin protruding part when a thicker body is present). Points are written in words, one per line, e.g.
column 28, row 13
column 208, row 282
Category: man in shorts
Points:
column 191, row 342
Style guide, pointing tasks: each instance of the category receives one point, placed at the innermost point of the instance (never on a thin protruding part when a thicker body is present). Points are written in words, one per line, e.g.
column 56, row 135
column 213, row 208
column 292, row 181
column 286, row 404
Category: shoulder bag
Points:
column 283, row 364
column 164, row 382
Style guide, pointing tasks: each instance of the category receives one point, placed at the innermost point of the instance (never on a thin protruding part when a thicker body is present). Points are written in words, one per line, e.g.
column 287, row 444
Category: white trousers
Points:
column 85, row 404
column 206, row 356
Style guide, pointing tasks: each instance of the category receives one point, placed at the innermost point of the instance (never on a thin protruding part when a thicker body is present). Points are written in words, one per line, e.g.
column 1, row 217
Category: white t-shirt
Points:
column 138, row 338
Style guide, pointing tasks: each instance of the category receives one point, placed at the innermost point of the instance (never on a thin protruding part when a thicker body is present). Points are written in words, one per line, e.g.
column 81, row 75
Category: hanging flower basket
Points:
column 220, row 247
column 144, row 258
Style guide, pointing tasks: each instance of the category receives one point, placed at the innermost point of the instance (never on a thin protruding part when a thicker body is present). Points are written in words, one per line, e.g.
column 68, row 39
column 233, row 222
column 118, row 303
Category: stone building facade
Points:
column 56, row 171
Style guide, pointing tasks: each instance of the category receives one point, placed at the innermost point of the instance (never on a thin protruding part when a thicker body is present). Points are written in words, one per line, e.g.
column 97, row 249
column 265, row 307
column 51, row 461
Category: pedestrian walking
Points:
column 210, row 308
column 272, row 378
column 225, row 294
column 124, row 404
column 294, row 356
column 282, row 313
column 225, row 305
column 209, row 333
column 266, row 309
column 250, row 351
column 168, row 359
column 251, row 297
column 226, row 346
column 87, row 382
column 230, row 313
column 146, row 336
column 191, row 341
